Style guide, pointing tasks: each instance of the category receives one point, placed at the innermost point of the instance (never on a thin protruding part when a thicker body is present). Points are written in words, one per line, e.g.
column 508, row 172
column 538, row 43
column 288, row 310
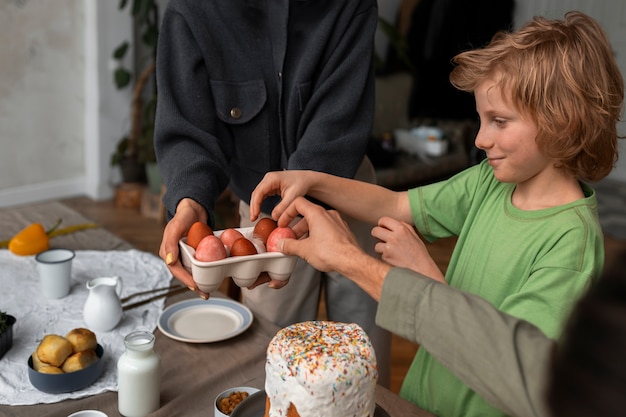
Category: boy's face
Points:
column 507, row 137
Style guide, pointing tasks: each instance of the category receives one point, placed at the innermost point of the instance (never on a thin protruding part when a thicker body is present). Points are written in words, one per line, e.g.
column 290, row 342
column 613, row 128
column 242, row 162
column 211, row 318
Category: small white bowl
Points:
column 243, row 269
column 436, row 147
column 88, row 413
column 226, row 393
column 430, row 133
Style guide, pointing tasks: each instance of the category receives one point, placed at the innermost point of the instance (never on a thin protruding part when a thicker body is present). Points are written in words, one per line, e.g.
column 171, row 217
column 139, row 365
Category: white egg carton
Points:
column 243, row 269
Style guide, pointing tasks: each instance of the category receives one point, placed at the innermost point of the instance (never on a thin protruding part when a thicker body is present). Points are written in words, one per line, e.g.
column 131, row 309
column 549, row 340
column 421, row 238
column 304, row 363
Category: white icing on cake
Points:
column 323, row 368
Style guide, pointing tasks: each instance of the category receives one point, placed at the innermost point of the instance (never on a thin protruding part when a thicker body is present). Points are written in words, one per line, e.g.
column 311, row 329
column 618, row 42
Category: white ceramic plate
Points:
column 200, row 321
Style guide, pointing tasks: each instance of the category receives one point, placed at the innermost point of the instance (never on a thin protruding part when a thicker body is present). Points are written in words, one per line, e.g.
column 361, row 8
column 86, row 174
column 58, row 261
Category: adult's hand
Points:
column 188, row 212
column 331, row 246
column 400, row 245
column 328, row 235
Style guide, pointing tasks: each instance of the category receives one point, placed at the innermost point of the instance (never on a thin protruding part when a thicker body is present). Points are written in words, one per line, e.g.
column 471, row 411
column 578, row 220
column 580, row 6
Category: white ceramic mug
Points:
column 55, row 271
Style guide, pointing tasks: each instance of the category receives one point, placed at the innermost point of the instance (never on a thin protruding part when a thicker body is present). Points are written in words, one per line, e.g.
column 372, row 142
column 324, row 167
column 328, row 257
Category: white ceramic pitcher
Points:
column 103, row 309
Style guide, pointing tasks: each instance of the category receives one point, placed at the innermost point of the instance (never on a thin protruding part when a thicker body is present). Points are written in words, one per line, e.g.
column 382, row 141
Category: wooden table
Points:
column 192, row 374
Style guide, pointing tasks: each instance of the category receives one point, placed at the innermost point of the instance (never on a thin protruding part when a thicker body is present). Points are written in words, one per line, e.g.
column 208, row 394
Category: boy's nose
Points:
column 482, row 140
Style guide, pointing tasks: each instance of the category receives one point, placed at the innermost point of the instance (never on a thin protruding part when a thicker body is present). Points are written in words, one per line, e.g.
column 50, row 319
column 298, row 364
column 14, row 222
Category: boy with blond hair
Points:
column 549, row 97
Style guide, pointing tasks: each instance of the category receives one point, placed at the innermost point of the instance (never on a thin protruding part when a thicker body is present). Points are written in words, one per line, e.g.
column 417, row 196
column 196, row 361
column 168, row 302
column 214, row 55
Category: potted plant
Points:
column 136, row 149
column 6, row 332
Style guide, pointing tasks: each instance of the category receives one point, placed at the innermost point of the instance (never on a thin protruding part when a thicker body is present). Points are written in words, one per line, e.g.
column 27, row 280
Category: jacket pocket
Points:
column 238, row 102
column 240, row 107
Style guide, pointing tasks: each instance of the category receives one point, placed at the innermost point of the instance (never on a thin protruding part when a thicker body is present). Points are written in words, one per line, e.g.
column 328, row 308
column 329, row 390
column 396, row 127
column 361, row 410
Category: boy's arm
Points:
column 360, row 200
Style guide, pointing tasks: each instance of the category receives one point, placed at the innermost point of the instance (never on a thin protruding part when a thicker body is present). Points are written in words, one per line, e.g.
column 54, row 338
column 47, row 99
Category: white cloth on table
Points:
column 37, row 316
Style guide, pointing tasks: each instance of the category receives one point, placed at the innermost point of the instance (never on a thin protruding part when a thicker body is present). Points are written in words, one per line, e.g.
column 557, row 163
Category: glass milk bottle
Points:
column 138, row 376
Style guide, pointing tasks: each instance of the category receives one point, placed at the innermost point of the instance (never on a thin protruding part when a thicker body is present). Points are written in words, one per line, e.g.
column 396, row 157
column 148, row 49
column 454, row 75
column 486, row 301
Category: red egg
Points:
column 242, row 247
column 277, row 235
column 210, row 249
column 263, row 228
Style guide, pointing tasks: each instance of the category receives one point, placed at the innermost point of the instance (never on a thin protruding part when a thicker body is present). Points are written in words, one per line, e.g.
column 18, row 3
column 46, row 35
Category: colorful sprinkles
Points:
column 330, row 362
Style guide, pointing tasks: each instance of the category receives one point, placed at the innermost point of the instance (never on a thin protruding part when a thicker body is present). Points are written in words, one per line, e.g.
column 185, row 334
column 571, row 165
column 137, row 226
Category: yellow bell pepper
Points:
column 31, row 240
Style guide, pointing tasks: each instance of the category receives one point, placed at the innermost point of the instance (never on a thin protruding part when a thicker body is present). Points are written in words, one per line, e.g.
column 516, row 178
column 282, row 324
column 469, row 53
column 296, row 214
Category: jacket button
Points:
column 235, row 113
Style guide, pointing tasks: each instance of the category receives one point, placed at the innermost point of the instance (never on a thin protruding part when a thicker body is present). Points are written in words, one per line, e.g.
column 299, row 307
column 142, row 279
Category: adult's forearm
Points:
column 503, row 358
column 366, row 271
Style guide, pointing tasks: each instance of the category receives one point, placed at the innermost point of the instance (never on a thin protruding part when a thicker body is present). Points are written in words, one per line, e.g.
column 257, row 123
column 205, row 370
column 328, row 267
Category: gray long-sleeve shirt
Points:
column 504, row 359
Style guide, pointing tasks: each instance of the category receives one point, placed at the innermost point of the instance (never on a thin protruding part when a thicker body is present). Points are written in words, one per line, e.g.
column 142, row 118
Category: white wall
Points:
column 41, row 93
column 61, row 116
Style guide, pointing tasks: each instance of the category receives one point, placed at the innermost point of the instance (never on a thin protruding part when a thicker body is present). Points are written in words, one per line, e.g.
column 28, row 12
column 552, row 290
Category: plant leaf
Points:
column 121, row 77
column 121, row 50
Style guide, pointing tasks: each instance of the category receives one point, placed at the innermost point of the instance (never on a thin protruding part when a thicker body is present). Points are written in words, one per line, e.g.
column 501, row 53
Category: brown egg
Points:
column 263, row 228
column 242, row 247
column 197, row 232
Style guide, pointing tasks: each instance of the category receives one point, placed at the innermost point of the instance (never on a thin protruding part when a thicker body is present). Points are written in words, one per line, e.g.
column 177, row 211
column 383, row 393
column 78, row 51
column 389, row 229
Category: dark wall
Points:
column 439, row 30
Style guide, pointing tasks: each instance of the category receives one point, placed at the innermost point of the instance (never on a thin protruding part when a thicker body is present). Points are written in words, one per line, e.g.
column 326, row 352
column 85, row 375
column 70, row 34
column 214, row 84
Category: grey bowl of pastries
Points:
column 66, row 363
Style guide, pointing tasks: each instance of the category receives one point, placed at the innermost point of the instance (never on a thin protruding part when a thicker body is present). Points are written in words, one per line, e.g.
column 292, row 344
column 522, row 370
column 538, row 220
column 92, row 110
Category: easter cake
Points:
column 320, row 368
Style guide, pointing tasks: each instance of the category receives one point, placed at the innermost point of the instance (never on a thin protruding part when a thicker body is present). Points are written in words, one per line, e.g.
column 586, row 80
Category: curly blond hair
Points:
column 564, row 75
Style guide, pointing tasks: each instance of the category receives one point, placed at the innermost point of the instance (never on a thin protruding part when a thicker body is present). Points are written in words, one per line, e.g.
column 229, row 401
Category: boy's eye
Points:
column 500, row 122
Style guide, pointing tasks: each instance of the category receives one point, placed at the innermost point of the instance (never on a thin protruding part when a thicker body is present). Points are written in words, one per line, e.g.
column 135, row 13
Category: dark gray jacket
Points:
column 247, row 87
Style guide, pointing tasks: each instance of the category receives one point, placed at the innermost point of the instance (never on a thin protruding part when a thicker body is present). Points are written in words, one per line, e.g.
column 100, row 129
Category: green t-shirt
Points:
column 531, row 264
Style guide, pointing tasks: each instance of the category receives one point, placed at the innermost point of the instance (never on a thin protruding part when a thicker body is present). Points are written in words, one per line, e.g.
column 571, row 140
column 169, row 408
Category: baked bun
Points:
column 54, row 349
column 82, row 339
column 79, row 360
column 37, row 363
column 49, row 369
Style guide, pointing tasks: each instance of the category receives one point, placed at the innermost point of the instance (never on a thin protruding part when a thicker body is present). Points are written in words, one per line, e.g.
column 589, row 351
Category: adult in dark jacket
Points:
column 250, row 87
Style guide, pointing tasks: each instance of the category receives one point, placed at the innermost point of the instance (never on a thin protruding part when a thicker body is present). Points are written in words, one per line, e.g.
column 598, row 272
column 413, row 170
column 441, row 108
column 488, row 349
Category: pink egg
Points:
column 277, row 235
column 210, row 249
column 229, row 236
